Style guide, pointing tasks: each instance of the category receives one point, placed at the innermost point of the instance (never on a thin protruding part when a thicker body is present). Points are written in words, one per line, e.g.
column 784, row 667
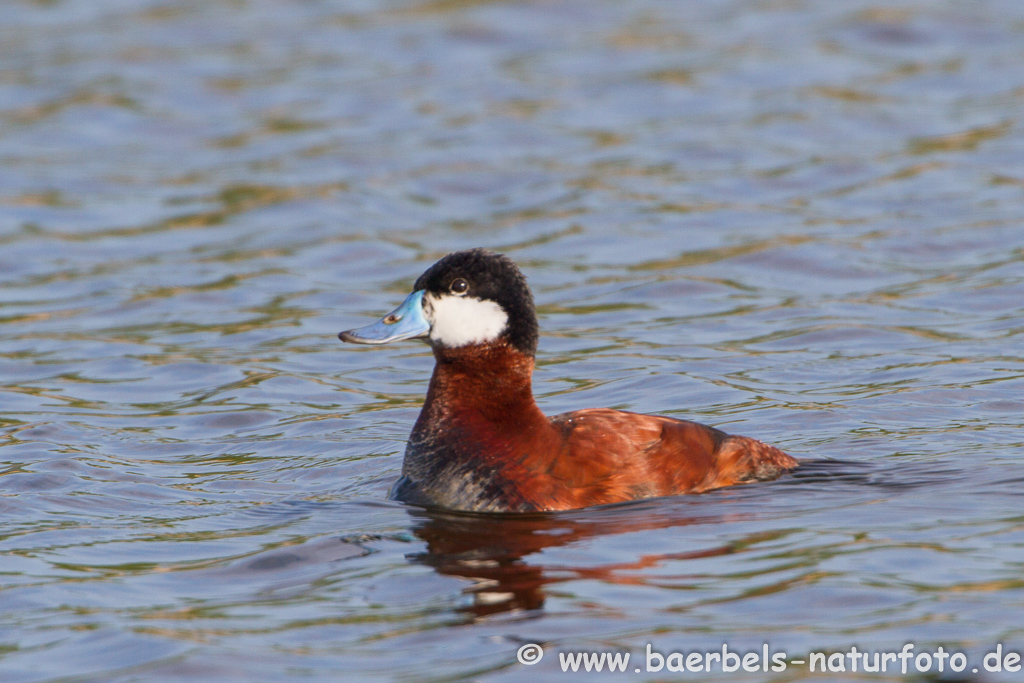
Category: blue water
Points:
column 799, row 221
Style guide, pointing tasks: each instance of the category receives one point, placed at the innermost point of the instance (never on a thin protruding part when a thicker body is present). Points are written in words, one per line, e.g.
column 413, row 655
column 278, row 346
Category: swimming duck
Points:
column 481, row 443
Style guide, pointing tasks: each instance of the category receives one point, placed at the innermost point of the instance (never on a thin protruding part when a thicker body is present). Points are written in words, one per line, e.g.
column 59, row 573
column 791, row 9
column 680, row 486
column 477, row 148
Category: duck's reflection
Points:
column 492, row 550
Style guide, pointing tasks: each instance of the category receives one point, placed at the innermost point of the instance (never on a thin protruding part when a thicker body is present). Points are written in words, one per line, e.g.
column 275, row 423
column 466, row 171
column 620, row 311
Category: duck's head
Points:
column 473, row 297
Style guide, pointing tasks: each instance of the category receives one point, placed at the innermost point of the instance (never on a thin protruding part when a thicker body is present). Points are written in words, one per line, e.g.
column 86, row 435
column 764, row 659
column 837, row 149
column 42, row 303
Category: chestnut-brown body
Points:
column 481, row 443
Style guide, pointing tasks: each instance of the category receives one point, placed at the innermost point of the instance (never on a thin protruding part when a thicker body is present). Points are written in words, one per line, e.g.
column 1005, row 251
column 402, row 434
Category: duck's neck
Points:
column 479, row 393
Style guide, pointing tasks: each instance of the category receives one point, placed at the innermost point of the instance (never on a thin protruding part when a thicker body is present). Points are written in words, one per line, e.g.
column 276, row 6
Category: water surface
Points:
column 795, row 220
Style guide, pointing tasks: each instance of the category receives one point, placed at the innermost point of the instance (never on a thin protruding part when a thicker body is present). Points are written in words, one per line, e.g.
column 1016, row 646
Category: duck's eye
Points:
column 459, row 287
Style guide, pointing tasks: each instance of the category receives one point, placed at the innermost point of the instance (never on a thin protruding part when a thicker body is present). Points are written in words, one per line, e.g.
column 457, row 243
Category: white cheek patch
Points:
column 461, row 320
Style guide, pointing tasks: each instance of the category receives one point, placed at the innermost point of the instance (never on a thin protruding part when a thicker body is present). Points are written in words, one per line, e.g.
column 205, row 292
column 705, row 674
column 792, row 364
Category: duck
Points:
column 482, row 444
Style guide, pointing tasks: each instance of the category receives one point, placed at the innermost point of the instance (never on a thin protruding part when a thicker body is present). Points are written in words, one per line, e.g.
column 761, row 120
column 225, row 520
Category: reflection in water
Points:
column 492, row 550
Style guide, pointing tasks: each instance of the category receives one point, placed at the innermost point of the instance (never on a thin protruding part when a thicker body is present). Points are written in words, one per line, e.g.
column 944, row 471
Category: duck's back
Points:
column 610, row 456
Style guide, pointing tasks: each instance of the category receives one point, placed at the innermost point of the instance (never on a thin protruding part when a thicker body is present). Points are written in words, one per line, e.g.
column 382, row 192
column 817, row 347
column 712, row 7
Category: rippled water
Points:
column 799, row 220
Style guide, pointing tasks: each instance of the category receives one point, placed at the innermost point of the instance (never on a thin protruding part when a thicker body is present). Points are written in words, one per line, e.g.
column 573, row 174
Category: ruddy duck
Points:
column 481, row 443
